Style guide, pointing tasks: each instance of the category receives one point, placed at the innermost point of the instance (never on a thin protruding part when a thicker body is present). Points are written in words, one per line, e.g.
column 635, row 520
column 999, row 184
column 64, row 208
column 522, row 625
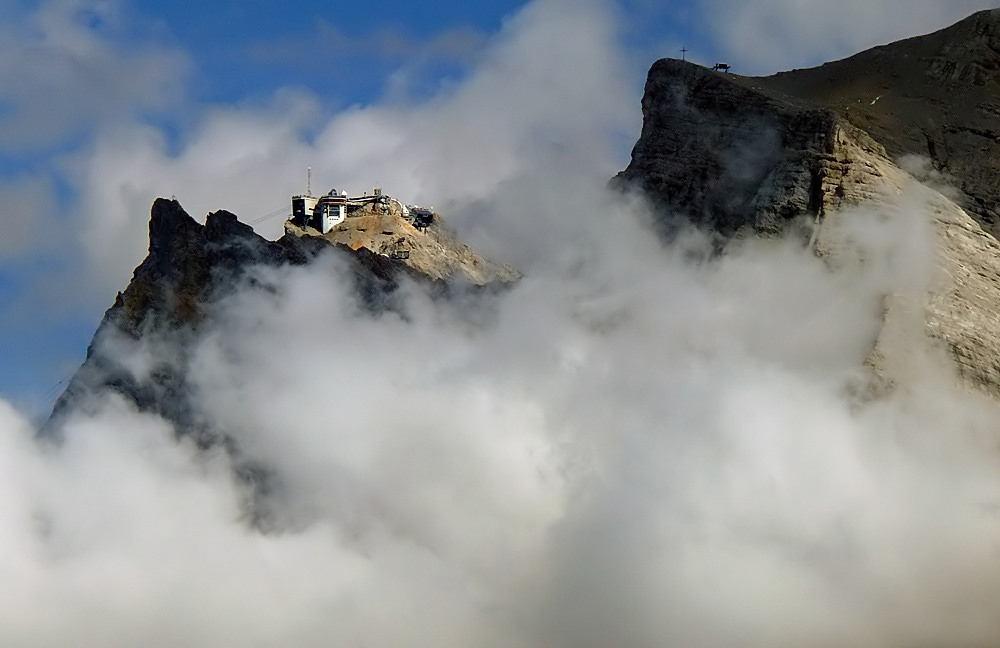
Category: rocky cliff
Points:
column 735, row 159
column 793, row 152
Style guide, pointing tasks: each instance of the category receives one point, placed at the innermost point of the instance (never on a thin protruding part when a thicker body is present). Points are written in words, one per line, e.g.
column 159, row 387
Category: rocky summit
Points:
column 795, row 151
column 190, row 267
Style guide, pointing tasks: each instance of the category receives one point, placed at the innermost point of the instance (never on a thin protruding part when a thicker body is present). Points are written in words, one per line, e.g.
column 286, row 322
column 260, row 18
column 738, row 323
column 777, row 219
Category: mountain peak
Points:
column 190, row 267
column 763, row 155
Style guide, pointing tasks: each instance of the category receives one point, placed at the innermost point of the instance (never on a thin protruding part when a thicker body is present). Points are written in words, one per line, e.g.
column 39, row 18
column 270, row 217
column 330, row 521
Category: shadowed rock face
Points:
column 748, row 155
column 733, row 159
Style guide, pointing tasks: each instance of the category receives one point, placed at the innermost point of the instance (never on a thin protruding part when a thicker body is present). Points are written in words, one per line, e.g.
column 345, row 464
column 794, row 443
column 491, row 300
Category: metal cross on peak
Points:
column 684, row 51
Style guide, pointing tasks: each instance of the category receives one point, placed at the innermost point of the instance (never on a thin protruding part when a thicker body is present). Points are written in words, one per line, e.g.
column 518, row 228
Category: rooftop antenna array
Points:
column 309, row 180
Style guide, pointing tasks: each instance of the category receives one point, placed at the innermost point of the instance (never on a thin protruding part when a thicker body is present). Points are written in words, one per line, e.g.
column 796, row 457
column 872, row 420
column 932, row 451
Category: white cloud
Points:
column 59, row 75
column 766, row 36
column 28, row 215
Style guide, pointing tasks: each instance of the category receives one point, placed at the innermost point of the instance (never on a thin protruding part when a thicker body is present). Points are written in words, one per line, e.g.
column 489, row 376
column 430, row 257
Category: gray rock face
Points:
column 739, row 156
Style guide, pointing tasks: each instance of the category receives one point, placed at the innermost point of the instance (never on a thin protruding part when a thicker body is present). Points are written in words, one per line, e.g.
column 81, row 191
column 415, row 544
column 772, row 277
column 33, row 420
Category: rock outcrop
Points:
column 743, row 155
column 734, row 159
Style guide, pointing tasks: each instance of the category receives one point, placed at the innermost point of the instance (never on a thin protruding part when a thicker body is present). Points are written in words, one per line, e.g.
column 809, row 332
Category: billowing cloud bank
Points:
column 633, row 446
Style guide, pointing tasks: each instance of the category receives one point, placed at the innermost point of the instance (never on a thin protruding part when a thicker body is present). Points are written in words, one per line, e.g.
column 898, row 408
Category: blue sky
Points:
column 105, row 104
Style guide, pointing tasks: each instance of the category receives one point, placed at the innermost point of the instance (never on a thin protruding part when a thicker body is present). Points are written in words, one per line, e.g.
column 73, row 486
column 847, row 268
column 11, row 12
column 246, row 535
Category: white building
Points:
column 322, row 213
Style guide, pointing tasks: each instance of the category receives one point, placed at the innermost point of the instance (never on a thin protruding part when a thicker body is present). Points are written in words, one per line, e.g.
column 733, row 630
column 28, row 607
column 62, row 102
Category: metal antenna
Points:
column 684, row 51
column 309, row 181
